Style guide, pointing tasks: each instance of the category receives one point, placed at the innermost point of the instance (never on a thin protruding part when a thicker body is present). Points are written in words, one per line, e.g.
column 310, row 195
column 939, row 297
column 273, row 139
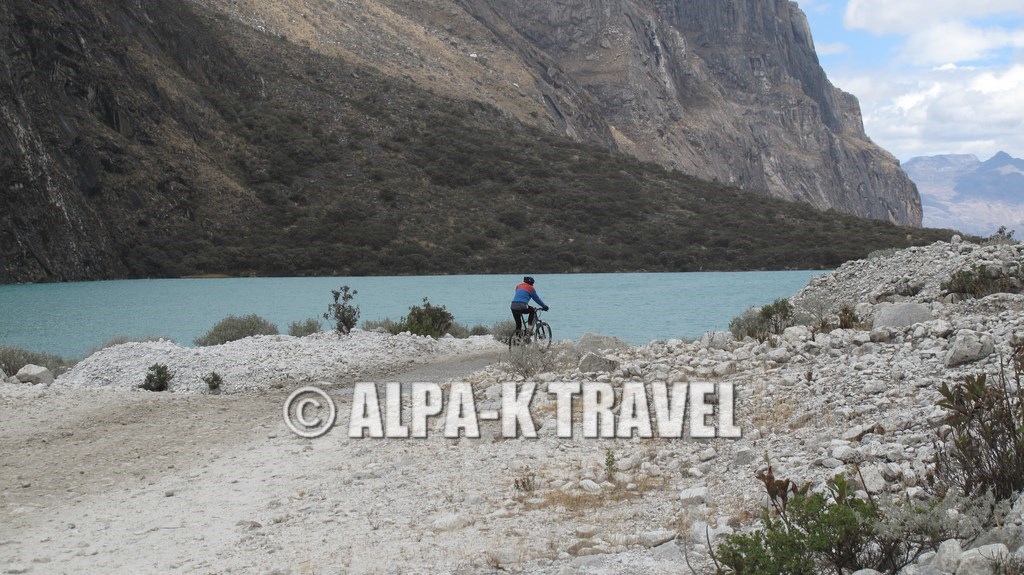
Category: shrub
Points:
column 158, row 378
column 502, row 330
column 847, row 317
column 778, row 315
column 984, row 450
column 304, row 328
column 13, row 359
column 749, row 324
column 233, row 328
column 479, row 329
column 980, row 281
column 458, row 330
column 342, row 312
column 806, row 533
column 213, row 382
column 427, row 319
column 816, row 313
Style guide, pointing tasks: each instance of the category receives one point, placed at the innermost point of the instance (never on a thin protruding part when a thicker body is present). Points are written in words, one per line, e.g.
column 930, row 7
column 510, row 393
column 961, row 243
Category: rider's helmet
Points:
column 528, row 280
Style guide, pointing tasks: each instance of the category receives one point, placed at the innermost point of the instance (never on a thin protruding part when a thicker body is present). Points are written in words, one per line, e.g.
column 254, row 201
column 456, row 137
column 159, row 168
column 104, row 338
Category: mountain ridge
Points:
column 170, row 139
column 962, row 192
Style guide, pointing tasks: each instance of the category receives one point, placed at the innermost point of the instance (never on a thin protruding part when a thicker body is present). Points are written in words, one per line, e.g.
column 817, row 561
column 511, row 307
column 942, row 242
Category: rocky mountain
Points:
column 729, row 91
column 388, row 136
column 962, row 192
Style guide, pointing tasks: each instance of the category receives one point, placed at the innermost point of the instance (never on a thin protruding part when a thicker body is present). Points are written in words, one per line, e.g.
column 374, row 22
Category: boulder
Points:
column 982, row 560
column 796, row 334
column 779, row 355
column 947, row 558
column 969, row 346
column 34, row 374
column 593, row 363
column 900, row 315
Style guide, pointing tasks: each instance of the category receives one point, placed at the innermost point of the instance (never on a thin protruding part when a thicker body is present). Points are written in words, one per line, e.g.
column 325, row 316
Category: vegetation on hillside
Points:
column 231, row 151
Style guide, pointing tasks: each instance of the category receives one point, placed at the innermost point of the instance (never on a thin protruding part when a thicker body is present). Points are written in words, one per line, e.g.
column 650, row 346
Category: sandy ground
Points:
column 111, row 481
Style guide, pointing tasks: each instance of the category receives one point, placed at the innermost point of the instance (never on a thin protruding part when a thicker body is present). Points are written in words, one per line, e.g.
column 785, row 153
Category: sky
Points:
column 932, row 76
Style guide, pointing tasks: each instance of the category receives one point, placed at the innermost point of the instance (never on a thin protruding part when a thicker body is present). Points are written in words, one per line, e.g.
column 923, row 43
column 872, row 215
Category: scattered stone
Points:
column 589, row 486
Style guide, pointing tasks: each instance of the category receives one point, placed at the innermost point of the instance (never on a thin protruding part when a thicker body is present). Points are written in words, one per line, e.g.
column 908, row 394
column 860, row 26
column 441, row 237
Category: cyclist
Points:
column 521, row 303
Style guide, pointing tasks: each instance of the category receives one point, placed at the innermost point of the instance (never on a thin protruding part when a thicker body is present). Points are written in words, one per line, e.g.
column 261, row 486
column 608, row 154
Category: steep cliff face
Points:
column 100, row 126
column 163, row 138
column 728, row 90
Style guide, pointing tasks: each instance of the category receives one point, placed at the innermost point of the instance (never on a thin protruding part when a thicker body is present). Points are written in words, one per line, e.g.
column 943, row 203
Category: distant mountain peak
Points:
column 960, row 192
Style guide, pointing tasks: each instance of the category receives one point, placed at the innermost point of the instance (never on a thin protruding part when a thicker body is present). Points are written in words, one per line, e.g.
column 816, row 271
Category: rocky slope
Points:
column 169, row 138
column 726, row 91
column 815, row 404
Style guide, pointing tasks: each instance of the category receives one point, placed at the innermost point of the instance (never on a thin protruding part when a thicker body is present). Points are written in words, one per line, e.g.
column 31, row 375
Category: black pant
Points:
column 518, row 309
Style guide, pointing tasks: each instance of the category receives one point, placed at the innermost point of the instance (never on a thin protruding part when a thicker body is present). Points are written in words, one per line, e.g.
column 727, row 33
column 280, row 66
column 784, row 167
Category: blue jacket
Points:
column 524, row 293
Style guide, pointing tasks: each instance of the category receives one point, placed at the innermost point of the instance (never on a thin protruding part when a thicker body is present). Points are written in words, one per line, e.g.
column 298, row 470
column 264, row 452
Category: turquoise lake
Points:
column 70, row 319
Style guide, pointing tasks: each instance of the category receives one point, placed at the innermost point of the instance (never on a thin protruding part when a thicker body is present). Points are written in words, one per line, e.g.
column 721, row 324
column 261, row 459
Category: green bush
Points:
column 213, row 381
column 479, row 329
column 750, row 323
column 428, row 319
column 233, row 328
column 778, row 315
column 158, row 378
column 984, row 450
column 13, row 359
column 304, row 328
column 836, row 532
column 342, row 312
column 848, row 318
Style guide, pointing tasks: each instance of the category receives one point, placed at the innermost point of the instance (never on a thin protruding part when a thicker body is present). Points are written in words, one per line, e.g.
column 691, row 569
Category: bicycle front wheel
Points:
column 544, row 335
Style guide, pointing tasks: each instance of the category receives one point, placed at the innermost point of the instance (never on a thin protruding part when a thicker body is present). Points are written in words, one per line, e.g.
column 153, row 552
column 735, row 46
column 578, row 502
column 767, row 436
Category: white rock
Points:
column 694, row 496
column 981, row 560
column 899, row 315
column 589, row 486
column 969, row 346
column 34, row 374
column 947, row 558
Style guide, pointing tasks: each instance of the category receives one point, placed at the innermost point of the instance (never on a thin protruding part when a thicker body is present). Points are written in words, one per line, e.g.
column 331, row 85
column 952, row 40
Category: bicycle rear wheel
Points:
column 543, row 334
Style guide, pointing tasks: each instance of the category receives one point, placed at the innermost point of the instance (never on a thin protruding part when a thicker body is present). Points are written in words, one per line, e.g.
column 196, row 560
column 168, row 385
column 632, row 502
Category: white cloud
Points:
column 951, row 110
column 908, row 16
column 956, row 41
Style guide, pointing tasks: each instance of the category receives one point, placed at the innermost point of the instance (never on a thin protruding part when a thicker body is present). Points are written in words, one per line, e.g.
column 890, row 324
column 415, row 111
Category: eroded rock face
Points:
column 729, row 91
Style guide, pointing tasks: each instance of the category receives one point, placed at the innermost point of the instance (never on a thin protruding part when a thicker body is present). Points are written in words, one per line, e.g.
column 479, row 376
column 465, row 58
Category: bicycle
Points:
column 539, row 333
